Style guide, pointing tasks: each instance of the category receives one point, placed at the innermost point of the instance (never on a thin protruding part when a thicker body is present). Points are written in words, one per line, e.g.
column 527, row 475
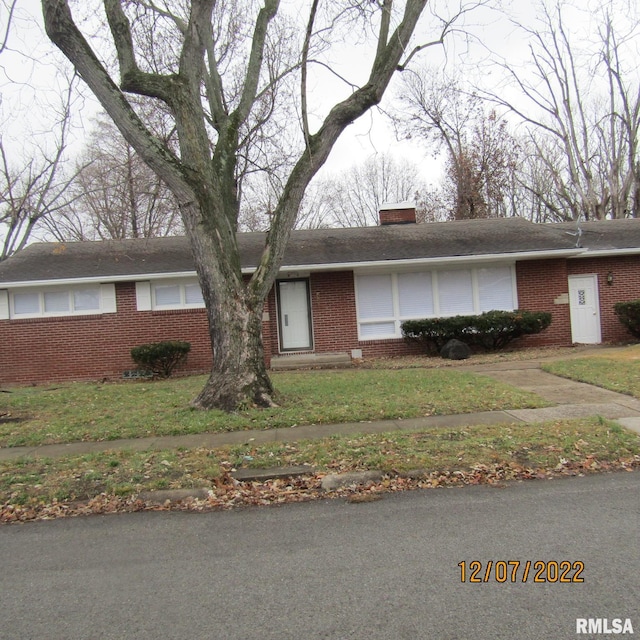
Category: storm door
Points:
column 294, row 315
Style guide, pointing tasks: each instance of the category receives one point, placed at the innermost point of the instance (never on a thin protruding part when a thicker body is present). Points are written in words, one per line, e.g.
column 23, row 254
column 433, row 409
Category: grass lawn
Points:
column 446, row 455
column 91, row 411
column 621, row 373
column 112, row 480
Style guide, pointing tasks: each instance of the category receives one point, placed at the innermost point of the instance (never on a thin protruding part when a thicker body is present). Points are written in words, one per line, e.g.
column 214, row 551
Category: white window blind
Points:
column 193, row 294
column 375, row 297
column 495, row 289
column 56, row 302
column 176, row 294
column 167, row 295
column 86, row 300
column 415, row 295
column 26, row 303
column 377, row 329
column 384, row 301
column 455, row 292
column 63, row 302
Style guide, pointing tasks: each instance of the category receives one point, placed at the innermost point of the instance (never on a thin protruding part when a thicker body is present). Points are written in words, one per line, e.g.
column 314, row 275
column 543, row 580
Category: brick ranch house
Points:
column 74, row 310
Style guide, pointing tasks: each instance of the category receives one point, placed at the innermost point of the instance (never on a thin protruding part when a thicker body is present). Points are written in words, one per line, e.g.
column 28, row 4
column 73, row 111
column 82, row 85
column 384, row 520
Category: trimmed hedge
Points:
column 491, row 330
column 161, row 358
column 629, row 314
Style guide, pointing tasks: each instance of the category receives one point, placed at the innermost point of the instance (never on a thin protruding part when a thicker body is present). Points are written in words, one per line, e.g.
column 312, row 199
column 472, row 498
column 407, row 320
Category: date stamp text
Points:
column 536, row 571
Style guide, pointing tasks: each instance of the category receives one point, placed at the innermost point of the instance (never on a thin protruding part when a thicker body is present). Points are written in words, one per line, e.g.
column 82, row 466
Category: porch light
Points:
column 610, row 278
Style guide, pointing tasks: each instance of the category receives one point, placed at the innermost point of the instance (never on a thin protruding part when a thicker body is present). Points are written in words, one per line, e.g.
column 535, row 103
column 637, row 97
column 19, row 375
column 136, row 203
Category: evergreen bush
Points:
column 161, row 358
column 629, row 314
column 491, row 330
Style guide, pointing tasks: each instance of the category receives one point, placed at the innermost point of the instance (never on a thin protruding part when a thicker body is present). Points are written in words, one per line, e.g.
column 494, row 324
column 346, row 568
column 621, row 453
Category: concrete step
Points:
column 311, row 361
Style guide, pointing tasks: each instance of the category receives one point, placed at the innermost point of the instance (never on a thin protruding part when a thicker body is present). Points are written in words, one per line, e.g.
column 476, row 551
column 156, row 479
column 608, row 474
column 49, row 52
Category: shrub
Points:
column 491, row 330
column 629, row 314
column 161, row 358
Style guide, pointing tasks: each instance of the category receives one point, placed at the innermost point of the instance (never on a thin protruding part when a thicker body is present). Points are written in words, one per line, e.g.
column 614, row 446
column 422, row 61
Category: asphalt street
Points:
column 385, row 570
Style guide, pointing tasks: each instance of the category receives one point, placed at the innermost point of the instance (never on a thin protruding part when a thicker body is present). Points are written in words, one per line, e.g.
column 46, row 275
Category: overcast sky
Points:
column 30, row 80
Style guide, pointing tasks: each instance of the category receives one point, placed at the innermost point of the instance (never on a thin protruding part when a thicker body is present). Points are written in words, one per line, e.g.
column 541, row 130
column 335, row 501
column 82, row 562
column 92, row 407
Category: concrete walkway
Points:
column 571, row 400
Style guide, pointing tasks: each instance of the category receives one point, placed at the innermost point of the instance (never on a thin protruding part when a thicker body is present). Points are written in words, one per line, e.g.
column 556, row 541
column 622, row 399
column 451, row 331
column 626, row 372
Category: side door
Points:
column 584, row 306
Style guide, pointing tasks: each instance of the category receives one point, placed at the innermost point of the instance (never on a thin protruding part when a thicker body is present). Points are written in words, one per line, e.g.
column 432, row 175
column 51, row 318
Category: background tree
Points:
column 34, row 172
column 34, row 186
column 117, row 195
column 218, row 68
column 480, row 152
column 353, row 198
column 579, row 99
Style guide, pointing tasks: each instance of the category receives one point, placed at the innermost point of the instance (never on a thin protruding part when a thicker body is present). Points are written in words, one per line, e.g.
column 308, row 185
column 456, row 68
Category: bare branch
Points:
column 5, row 38
column 303, row 75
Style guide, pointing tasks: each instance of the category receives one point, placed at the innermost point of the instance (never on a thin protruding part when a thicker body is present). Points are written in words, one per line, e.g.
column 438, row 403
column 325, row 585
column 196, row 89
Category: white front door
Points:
column 294, row 319
column 584, row 306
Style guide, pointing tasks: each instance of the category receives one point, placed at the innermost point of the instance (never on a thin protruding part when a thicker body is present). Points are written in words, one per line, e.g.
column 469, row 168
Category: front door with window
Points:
column 585, row 309
column 294, row 315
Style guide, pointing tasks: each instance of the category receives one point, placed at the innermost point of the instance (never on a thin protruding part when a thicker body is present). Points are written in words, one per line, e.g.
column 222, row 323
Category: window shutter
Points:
column 143, row 296
column 4, row 304
column 108, row 297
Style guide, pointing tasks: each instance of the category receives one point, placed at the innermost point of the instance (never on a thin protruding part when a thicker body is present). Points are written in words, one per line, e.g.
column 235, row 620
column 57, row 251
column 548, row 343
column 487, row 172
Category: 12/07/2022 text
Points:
column 539, row 571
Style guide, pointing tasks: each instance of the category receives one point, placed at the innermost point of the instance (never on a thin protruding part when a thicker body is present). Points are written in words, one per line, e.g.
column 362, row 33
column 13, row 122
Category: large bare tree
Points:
column 579, row 100
column 218, row 68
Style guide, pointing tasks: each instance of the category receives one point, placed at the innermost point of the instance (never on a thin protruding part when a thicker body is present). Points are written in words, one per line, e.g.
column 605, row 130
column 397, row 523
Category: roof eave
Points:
column 341, row 266
column 97, row 279
column 408, row 262
column 606, row 253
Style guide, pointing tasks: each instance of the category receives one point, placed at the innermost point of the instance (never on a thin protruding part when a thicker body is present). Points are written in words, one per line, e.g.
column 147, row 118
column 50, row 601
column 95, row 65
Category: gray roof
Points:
column 326, row 248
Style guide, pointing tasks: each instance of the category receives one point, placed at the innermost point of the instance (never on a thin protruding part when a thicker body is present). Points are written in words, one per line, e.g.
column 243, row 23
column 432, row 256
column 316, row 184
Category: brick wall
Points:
column 542, row 286
column 626, row 286
column 96, row 347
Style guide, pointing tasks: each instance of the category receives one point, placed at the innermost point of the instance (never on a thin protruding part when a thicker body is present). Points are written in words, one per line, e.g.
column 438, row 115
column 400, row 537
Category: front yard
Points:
column 113, row 480
column 86, row 411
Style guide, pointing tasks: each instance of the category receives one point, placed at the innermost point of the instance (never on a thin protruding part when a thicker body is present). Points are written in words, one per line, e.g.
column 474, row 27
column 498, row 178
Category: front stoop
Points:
column 311, row 361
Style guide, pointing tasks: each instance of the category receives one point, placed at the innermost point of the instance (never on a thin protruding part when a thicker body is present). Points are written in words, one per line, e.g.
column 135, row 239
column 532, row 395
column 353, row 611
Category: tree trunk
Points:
column 238, row 376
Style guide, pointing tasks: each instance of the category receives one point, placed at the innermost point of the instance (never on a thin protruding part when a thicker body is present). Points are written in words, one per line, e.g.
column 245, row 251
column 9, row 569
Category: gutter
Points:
column 315, row 267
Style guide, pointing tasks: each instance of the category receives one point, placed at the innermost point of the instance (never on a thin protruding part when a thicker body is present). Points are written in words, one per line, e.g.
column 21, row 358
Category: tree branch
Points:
column 320, row 144
column 303, row 75
column 254, row 66
column 132, row 79
column 64, row 33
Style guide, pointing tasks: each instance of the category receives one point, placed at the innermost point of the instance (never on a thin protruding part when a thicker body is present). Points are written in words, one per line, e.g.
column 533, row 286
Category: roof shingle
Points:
column 322, row 247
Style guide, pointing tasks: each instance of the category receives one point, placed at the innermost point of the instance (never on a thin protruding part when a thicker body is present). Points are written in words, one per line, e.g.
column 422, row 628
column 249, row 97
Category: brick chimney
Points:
column 398, row 213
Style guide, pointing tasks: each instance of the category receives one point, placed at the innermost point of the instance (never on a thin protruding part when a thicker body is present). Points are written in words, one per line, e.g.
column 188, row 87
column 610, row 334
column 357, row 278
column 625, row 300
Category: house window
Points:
column 181, row 294
column 375, row 306
column 59, row 301
column 384, row 301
